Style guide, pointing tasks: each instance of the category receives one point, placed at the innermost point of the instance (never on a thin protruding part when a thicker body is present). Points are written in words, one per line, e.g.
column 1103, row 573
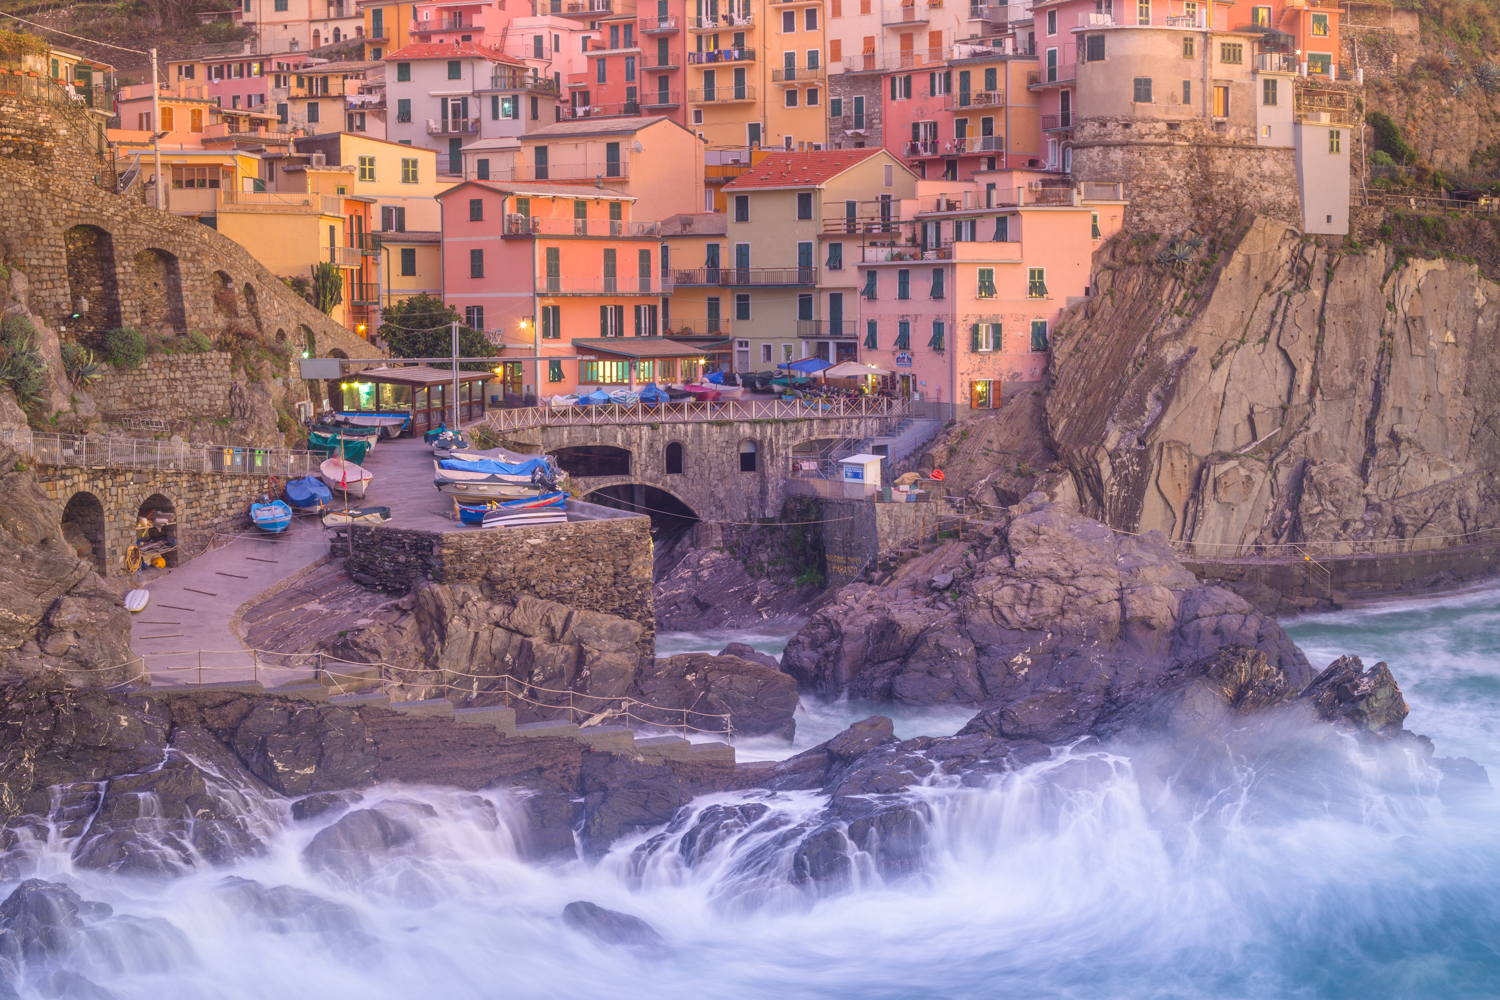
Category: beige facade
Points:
column 654, row 160
column 794, row 69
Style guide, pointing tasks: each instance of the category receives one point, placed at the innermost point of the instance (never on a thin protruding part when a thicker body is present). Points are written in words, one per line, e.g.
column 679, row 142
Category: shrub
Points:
column 1388, row 138
column 23, row 370
column 198, row 342
column 16, row 328
column 124, row 347
column 80, row 365
column 1381, row 158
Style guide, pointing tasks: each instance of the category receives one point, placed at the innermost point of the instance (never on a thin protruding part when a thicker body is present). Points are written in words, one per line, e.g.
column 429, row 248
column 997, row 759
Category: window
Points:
column 1051, row 22
column 1094, row 232
column 835, row 257
column 476, row 209
column 523, row 207
column 791, row 97
column 1143, row 90
column 1260, row 17
column 964, row 231
column 474, row 317
column 871, row 279
column 986, row 289
column 1036, row 283
column 408, row 262
column 482, row 169
column 280, row 5
column 168, row 118
column 903, row 284
column 985, row 337
column 393, row 218
column 535, row 110
column 1038, row 335
column 1320, row 25
column 742, row 208
column 901, row 88
column 1187, row 91
column 836, row 107
column 788, row 22
column 984, row 394
column 367, row 168
column 1094, row 50
column 765, row 354
column 1335, row 140
column 936, row 340
column 1143, row 12
column 455, row 69
column 872, row 336
column 674, row 458
column 889, row 175
column 1187, row 46
column 600, row 75
column 551, row 322
column 810, row 19
column 1231, row 52
column 939, row 84
column 1268, row 92
column 476, row 263
column 742, row 306
column 903, row 335
column 645, row 320
column 312, row 113
column 1221, row 100
column 804, row 205
column 403, row 109
column 612, row 323
column 283, row 113
column 937, row 283
column 537, row 42
column 1320, row 62
column 554, row 367
column 408, row 171
column 859, row 123
column 812, row 97
column 611, row 269
column 630, row 69
column 747, row 456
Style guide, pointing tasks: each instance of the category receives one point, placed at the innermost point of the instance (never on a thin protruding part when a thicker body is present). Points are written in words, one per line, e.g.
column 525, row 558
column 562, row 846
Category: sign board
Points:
column 903, row 360
column 312, row 368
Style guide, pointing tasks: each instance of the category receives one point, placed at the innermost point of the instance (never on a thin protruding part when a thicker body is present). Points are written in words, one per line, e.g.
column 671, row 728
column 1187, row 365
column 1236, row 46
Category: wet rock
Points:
column 544, row 826
column 42, row 920
column 759, row 699
column 895, row 837
column 65, row 985
column 711, row 589
column 747, row 652
column 297, row 748
column 715, row 825
column 612, row 927
column 1365, row 700
column 822, row 857
column 285, row 909
column 322, row 803
column 352, row 848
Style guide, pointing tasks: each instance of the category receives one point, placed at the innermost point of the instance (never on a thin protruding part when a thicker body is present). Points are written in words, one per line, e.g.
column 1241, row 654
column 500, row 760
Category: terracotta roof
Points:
column 461, row 50
column 784, row 170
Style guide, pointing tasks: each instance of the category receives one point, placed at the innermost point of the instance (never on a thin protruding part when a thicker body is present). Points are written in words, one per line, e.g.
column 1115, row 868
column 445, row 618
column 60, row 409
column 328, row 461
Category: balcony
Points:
column 907, row 254
column 974, row 144
column 572, row 8
column 626, row 109
column 795, row 74
column 697, row 326
column 722, row 95
column 720, row 56
column 344, row 256
column 827, row 329
column 1052, row 76
column 441, row 24
column 1001, row 15
column 450, row 166
column 743, row 277
column 668, row 99
column 625, row 285
column 517, row 225
column 1323, row 107
column 966, row 99
column 265, row 201
column 849, row 123
column 364, row 293
column 1275, row 62
column 657, row 25
column 521, row 80
column 906, row 14
column 870, row 62
column 722, row 22
column 452, row 126
column 366, row 243
column 1058, row 122
column 916, row 149
column 669, row 66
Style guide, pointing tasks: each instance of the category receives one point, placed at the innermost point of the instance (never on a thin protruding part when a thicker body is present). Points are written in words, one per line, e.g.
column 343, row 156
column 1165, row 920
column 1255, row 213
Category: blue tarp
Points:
column 806, row 366
column 308, row 492
column 653, row 394
column 596, row 398
column 715, row 378
column 497, row 468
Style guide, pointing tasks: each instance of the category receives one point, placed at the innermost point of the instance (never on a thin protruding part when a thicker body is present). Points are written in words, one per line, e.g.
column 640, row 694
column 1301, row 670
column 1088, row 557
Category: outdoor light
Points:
column 361, row 328
column 307, row 354
column 499, row 369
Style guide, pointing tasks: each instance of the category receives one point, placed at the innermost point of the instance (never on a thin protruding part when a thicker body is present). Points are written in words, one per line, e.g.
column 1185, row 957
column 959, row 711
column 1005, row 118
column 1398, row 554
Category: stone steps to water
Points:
column 617, row 739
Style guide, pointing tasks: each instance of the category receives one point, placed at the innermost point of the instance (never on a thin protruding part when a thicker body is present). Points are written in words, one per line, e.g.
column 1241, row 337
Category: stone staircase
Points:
column 908, row 436
column 608, row 739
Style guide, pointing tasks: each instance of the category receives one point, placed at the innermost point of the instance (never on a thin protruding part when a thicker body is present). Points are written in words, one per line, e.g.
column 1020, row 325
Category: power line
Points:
column 709, row 520
column 69, row 34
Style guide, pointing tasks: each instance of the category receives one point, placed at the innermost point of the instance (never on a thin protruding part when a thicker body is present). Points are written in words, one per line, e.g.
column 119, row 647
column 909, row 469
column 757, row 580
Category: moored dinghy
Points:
column 546, row 504
column 344, row 477
column 272, row 515
column 135, row 600
column 356, row 515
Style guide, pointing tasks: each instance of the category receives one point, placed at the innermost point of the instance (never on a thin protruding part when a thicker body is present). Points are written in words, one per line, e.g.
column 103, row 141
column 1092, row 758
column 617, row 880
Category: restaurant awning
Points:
column 806, row 366
column 852, row 369
column 645, row 348
column 416, row 375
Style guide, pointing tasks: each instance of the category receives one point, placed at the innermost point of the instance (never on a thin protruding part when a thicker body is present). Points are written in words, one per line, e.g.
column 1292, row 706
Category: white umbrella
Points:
column 848, row 369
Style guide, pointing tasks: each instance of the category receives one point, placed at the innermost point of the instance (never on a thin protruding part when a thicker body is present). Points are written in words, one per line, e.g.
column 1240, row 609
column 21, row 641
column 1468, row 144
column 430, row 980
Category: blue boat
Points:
column 476, row 513
column 432, row 435
column 596, row 398
column 308, row 493
column 273, row 516
column 653, row 394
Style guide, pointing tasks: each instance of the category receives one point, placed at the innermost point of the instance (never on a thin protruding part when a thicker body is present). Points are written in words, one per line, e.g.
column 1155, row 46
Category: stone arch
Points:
column 749, row 456
column 672, row 520
column 312, row 342
column 159, row 537
column 83, row 527
column 674, row 457
column 158, row 291
column 594, row 460
column 280, row 336
column 226, row 303
column 336, row 386
column 252, row 306
column 93, row 282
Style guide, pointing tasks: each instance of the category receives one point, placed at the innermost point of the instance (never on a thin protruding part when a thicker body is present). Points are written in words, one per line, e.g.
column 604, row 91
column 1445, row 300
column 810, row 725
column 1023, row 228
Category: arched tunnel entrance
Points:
column 672, row 521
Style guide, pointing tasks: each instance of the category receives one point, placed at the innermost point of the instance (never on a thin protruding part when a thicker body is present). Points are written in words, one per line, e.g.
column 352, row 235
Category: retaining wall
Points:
column 1353, row 575
column 857, row 533
column 173, row 387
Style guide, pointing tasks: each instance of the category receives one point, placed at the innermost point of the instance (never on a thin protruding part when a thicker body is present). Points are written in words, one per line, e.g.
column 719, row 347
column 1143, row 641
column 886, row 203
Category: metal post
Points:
column 200, row 668
column 161, row 190
column 456, row 422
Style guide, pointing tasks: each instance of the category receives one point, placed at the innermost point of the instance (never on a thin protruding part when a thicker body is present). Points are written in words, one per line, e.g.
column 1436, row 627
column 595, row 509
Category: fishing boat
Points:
column 272, row 516
column 596, row 398
column 546, row 503
column 653, row 394
column 625, row 397
column 334, row 444
column 389, row 424
column 308, row 493
column 489, row 478
column 356, row 515
column 430, row 436
column 344, row 477
column 445, row 444
column 135, row 600
column 564, row 401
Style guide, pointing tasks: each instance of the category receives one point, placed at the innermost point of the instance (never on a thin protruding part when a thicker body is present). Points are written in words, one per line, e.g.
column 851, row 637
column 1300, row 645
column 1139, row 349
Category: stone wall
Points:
column 599, row 564
column 173, row 387
column 203, row 503
column 858, row 533
column 846, row 86
column 1180, row 173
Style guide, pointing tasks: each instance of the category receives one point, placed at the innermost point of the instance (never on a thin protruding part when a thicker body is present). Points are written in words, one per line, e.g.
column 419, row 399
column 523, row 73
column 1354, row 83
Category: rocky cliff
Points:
column 1264, row 387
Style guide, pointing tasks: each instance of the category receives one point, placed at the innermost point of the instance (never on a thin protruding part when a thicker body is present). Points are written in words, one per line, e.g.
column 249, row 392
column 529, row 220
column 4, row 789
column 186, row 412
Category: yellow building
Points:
column 387, row 26
column 654, row 160
column 794, row 70
column 694, row 246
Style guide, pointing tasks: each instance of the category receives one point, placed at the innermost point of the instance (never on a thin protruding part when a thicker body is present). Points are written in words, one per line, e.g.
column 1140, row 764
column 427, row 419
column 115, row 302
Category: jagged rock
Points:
column 1349, row 694
column 42, row 920
column 286, row 909
column 351, row 848
column 711, row 589
column 322, row 803
column 748, row 652
column 297, row 748
column 612, row 927
column 759, row 699
column 544, row 831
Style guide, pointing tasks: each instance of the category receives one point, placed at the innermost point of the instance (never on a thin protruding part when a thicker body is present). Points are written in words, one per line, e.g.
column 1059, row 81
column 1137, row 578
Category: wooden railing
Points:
column 694, row 412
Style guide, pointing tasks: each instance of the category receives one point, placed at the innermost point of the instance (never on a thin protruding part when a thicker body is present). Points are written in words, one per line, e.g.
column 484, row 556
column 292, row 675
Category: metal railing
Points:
column 447, row 24
column 1276, row 62
column 850, row 123
column 452, row 126
column 525, row 418
column 571, row 8
column 623, row 285
column 625, row 109
column 1065, row 73
column 521, row 225
column 827, row 329
column 722, row 22
column 726, row 277
column 976, row 99
column 886, row 255
column 668, row 99
column 1056, row 122
column 267, row 201
column 657, row 25
column 697, row 327
column 720, row 56
column 90, row 452
column 905, row 14
column 797, row 74
column 521, row 80
column 721, row 95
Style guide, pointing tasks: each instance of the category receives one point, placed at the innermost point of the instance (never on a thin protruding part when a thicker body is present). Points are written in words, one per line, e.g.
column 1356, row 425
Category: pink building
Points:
column 959, row 297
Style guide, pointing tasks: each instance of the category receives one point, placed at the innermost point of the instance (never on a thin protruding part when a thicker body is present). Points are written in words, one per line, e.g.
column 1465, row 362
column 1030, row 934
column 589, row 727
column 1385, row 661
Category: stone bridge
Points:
column 724, row 462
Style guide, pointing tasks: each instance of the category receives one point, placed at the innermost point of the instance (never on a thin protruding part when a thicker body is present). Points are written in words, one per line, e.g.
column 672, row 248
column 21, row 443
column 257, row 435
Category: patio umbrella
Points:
column 850, row 369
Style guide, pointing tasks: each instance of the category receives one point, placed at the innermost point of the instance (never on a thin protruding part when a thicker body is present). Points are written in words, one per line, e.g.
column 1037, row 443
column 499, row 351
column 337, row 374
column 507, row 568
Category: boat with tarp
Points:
column 271, row 515
column 553, row 506
column 308, row 493
column 356, row 515
column 484, row 477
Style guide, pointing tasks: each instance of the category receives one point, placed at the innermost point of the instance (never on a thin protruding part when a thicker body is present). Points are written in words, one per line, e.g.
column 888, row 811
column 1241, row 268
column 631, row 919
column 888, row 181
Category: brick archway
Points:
column 83, row 520
column 158, row 291
column 93, row 283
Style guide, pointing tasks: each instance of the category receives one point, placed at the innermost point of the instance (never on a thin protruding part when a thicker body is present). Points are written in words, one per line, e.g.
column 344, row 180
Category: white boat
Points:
column 563, row 402
column 344, row 477
column 520, row 518
column 356, row 515
column 482, row 485
column 135, row 600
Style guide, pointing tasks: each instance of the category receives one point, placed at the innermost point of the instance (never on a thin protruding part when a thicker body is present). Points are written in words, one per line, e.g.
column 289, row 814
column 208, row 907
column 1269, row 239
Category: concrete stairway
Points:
column 909, row 435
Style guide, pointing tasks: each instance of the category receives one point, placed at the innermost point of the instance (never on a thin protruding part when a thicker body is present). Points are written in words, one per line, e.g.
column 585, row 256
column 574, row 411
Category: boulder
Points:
column 758, row 699
column 747, row 652
column 351, row 849
column 41, row 920
column 1363, row 699
column 612, row 927
column 297, row 747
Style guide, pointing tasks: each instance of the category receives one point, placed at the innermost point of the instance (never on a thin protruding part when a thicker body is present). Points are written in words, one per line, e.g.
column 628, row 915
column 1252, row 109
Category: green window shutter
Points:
column 903, row 336
column 870, row 279
column 604, row 321
column 974, row 330
column 936, row 343
column 871, row 340
column 554, row 370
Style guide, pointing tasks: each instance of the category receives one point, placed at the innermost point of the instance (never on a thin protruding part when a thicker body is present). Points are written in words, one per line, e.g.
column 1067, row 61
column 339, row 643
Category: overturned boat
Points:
column 482, row 478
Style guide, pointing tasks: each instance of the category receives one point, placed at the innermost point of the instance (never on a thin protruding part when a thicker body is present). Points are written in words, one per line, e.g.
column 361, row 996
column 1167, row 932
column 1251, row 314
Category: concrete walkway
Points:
column 187, row 630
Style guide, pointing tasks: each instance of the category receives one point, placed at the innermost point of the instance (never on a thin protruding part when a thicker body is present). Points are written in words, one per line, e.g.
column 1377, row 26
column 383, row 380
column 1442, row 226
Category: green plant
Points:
column 23, row 370
column 421, row 327
column 1388, row 138
column 19, row 467
column 124, row 347
column 198, row 342
column 1380, row 158
column 80, row 366
column 328, row 286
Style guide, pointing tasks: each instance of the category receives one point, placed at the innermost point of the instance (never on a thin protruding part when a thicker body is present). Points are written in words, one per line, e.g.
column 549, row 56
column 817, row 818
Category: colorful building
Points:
column 388, row 25
column 654, row 160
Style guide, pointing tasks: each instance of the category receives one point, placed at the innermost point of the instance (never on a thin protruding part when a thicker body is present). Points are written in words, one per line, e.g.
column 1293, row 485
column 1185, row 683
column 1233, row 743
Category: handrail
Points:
column 525, row 418
column 86, row 451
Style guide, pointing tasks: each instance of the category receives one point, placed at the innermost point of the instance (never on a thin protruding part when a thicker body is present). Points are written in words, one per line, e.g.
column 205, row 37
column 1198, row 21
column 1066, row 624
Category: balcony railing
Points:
column 625, row 110
column 669, row 66
column 1276, row 62
column 974, row 144
column 450, row 166
column 366, row 243
column 266, row 201
column 1329, row 107
column 723, row 22
column 697, row 326
column 965, row 99
column 862, row 224
column 870, row 62
column 447, row 24
column 1057, row 122
column 797, row 74
column 1047, row 76
column 905, row 14
column 721, row 56
column 907, row 253
column 922, row 147
column 744, row 277
column 625, row 285
column 849, row 123
column 658, row 25
column 452, row 126
column 522, row 225
column 572, row 8
column 519, row 80
column 344, row 256
column 721, row 95
column 660, row 99
column 365, row 293
column 1001, row 14
column 825, row 329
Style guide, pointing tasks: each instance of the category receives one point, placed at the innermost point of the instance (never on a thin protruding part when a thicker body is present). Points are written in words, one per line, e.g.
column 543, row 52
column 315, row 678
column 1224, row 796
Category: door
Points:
column 611, row 159
column 836, row 314
column 739, row 83
column 610, row 275
column 804, row 263
column 663, row 90
column 1221, row 100
column 710, row 84
column 963, row 88
column 455, row 156
column 742, row 355
column 789, row 65
column 851, row 222
column 554, row 270
column 713, row 316
column 1051, row 65
column 742, row 263
column 905, row 389
column 711, row 263
column 1065, row 109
